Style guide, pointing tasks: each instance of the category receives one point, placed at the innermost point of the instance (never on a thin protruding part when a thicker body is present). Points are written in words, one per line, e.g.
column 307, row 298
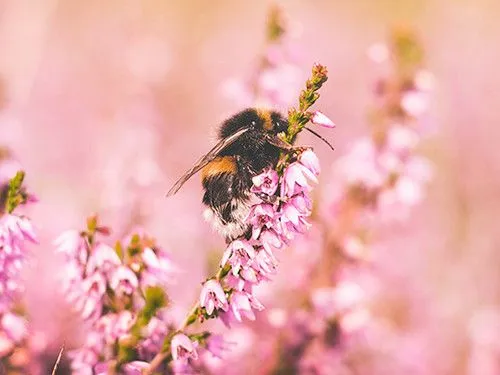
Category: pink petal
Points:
column 319, row 118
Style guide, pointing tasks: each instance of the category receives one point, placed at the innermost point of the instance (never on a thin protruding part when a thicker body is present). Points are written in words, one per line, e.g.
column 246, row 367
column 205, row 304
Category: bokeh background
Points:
column 105, row 104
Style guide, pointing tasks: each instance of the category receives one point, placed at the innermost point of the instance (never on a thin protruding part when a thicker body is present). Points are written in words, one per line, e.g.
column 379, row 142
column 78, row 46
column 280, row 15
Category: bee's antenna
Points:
column 320, row 137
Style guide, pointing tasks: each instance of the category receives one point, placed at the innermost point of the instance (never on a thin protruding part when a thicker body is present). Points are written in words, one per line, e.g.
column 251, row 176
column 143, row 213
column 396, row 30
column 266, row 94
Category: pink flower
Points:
column 123, row 281
column 309, row 160
column 90, row 302
column 266, row 182
column 213, row 297
column 182, row 348
column 73, row 245
column 261, row 216
column 270, row 239
column 20, row 228
column 296, row 180
column 160, row 268
column 265, row 263
column 319, row 118
column 14, row 232
column 241, row 304
column 14, row 326
column 135, row 367
column 239, row 254
column 217, row 346
column 103, row 258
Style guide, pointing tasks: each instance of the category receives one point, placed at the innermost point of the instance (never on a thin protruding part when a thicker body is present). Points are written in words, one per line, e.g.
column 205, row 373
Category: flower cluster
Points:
column 119, row 292
column 274, row 221
column 15, row 231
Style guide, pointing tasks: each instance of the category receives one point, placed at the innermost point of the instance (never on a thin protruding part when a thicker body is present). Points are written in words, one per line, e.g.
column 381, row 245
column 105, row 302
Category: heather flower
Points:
column 123, row 281
column 213, row 297
column 103, row 258
column 309, row 160
column 296, row 180
column 14, row 327
column 90, row 302
column 218, row 346
column 183, row 348
column 318, row 118
column 135, row 367
column 261, row 216
column 14, row 232
column 238, row 254
column 241, row 306
column 119, row 292
column 72, row 244
column 266, row 182
column 159, row 268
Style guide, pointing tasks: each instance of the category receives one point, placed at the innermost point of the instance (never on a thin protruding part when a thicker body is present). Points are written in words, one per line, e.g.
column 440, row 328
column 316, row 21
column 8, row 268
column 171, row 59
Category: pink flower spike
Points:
column 182, row 348
column 309, row 160
column 319, row 118
column 212, row 297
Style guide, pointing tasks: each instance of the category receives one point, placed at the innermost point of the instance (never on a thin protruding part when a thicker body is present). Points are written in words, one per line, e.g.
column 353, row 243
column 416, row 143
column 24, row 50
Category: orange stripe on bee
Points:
column 265, row 115
column 221, row 164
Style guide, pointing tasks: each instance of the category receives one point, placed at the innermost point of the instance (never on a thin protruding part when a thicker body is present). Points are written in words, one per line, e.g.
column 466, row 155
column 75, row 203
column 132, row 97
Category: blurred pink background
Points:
column 106, row 103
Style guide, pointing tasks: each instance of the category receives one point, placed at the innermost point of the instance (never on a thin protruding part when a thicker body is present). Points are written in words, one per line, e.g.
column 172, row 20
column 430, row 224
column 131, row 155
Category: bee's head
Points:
column 272, row 121
column 279, row 122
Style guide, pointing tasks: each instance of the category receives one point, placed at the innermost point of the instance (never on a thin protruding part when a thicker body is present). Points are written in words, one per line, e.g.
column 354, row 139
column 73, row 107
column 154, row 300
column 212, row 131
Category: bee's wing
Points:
column 211, row 155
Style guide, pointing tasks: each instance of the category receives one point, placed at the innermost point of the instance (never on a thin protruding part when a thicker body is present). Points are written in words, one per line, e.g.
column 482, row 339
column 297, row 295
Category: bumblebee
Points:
column 248, row 144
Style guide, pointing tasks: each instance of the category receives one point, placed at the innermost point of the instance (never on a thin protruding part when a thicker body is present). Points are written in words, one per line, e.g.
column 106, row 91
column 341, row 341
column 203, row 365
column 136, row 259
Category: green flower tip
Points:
column 15, row 193
column 406, row 47
column 276, row 24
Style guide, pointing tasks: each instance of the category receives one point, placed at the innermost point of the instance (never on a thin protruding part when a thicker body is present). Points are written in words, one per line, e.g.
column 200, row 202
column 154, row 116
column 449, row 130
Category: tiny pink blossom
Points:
column 239, row 254
column 160, row 268
column 19, row 227
column 183, row 348
column 217, row 345
column 103, row 258
column 261, row 216
column 72, row 245
column 213, row 297
column 93, row 288
column 296, row 180
column 135, row 367
column 14, row 326
column 321, row 119
column 123, row 281
column 241, row 304
column 271, row 239
column 266, row 182
column 309, row 160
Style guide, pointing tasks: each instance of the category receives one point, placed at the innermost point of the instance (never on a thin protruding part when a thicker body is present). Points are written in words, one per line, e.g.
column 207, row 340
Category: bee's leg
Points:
column 278, row 142
column 267, row 198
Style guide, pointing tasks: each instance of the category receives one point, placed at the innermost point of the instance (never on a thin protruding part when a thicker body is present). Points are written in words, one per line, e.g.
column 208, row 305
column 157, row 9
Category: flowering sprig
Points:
column 281, row 214
column 380, row 177
column 119, row 292
column 15, row 232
